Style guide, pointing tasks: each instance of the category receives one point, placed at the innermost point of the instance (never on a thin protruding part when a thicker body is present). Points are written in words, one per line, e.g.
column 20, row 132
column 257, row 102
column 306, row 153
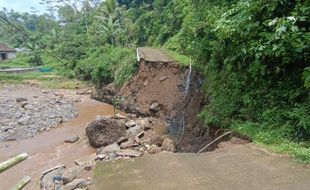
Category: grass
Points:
column 43, row 80
column 20, row 61
column 275, row 139
column 182, row 59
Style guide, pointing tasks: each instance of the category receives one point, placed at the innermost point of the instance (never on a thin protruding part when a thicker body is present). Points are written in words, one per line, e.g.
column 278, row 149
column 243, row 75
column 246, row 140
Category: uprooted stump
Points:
column 105, row 130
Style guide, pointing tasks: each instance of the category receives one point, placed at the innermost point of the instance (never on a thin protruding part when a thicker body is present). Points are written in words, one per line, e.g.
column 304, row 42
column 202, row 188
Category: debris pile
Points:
column 122, row 138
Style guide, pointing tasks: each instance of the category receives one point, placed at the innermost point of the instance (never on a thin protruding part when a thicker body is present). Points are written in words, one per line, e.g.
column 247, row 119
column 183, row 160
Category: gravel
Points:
column 19, row 120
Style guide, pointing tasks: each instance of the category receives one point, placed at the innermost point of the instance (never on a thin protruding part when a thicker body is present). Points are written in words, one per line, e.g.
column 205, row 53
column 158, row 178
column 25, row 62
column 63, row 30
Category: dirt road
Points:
column 154, row 55
column 240, row 167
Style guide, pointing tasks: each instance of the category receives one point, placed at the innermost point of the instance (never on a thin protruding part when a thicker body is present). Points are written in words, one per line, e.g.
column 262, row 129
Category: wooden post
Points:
column 12, row 162
column 22, row 183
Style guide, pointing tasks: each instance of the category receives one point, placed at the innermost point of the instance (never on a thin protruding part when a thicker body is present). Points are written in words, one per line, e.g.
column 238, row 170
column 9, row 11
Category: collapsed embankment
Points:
column 167, row 91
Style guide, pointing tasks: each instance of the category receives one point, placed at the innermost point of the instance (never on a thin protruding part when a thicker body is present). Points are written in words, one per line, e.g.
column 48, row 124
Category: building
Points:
column 6, row 52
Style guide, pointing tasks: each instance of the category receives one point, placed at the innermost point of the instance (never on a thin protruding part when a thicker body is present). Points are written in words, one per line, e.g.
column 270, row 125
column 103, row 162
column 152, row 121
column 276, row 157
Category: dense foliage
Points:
column 254, row 55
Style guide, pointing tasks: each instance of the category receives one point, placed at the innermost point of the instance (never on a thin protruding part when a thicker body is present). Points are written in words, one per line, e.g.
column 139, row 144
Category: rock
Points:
column 108, row 149
column 24, row 120
column 59, row 94
column 76, row 100
column 154, row 149
column 128, row 144
column 121, row 140
column 81, row 92
column 86, row 160
column 169, row 145
column 140, row 135
column 71, row 174
column 101, row 157
column 154, row 107
column 72, row 139
column 157, row 139
column 130, row 123
column 104, row 131
column 134, row 131
column 120, row 116
column 24, row 104
column 20, row 99
column 49, row 177
column 59, row 119
column 197, row 131
column 78, row 183
column 28, row 107
column 163, row 78
column 129, row 152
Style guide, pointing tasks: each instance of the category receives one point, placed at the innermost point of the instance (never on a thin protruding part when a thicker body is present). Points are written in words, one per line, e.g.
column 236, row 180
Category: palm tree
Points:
column 109, row 18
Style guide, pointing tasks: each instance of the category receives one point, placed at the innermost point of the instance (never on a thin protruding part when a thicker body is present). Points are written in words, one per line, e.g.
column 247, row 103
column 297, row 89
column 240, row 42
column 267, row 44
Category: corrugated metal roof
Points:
column 5, row 48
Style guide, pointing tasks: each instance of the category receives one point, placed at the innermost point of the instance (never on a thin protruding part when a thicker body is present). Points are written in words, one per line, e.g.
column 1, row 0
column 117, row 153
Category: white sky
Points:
column 22, row 5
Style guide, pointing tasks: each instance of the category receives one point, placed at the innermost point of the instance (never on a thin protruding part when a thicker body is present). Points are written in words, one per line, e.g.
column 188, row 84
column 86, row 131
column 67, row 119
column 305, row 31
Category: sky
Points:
column 22, row 5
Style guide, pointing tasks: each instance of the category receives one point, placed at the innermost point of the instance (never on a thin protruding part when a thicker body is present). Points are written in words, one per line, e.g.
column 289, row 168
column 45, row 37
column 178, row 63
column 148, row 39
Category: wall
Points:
column 11, row 55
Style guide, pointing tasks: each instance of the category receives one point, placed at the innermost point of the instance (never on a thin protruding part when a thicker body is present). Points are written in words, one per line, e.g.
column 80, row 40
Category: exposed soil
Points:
column 159, row 90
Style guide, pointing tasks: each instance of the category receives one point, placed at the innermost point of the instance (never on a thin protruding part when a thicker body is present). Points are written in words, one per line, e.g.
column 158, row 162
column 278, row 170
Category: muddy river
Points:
column 48, row 149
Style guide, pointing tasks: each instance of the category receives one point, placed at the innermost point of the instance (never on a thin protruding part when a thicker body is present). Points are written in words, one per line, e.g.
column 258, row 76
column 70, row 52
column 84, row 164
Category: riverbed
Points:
column 48, row 149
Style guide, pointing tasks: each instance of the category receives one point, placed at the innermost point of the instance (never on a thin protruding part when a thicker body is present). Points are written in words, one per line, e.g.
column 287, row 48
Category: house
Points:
column 6, row 52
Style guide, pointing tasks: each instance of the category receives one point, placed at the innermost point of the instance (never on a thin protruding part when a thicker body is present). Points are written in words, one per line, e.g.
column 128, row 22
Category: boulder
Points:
column 104, row 131
column 71, row 174
column 78, row 183
column 169, row 145
column 108, row 149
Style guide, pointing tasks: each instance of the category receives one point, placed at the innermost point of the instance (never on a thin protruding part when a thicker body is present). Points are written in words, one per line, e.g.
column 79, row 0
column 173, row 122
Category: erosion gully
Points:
column 48, row 149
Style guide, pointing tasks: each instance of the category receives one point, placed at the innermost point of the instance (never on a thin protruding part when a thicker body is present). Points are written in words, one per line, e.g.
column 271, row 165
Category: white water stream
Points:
column 188, row 80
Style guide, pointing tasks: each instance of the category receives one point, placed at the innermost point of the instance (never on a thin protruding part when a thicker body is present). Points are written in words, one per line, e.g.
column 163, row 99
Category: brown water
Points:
column 48, row 149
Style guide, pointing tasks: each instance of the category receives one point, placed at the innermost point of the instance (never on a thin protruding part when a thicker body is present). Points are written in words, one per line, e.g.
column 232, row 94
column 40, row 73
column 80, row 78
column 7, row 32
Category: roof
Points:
column 5, row 48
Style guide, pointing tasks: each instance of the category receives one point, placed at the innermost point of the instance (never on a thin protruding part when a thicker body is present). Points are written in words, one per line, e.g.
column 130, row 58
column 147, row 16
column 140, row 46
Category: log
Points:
column 227, row 133
column 22, row 183
column 12, row 162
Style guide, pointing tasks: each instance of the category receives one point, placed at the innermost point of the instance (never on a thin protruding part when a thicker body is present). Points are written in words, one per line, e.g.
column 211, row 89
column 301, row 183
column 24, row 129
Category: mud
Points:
column 48, row 149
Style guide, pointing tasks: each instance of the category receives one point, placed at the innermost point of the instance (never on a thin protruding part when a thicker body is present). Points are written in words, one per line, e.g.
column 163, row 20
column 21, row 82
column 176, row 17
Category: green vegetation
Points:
column 50, row 80
column 254, row 55
column 21, row 60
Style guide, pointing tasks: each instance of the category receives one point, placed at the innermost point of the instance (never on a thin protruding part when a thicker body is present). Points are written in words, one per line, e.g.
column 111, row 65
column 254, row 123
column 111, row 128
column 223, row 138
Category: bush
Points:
column 107, row 64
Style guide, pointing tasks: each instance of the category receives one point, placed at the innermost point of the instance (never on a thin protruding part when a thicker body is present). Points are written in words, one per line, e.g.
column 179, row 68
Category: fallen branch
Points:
column 223, row 135
column 22, row 183
column 12, row 162
column 52, row 169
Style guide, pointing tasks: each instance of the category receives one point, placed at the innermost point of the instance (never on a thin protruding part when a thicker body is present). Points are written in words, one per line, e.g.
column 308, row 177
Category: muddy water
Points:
column 48, row 149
